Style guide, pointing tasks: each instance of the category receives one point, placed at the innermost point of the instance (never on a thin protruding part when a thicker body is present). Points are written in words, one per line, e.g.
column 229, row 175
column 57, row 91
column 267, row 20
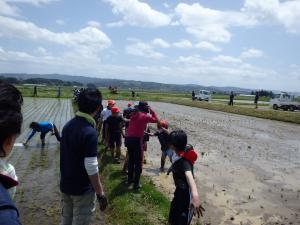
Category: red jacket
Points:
column 138, row 123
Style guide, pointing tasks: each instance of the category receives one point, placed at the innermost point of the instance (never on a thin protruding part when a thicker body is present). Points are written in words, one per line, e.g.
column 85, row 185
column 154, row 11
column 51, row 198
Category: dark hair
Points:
column 143, row 107
column 34, row 125
column 89, row 100
column 11, row 119
column 178, row 139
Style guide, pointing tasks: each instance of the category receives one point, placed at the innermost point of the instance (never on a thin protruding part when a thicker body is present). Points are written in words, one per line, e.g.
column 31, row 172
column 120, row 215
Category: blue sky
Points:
column 246, row 43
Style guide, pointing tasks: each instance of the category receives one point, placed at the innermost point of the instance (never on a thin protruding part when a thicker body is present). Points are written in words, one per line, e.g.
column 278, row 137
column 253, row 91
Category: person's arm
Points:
column 195, row 202
column 152, row 118
column 165, row 130
column 30, row 136
column 107, row 134
column 91, row 167
column 150, row 134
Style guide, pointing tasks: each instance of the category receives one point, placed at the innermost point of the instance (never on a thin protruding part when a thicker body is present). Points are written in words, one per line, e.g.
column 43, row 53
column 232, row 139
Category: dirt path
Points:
column 249, row 172
column 250, row 169
column 38, row 196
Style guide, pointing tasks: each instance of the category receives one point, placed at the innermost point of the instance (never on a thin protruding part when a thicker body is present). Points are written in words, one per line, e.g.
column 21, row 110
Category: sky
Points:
column 252, row 44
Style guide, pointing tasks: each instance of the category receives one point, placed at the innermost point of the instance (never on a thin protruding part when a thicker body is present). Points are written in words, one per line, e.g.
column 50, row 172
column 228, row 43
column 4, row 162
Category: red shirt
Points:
column 138, row 123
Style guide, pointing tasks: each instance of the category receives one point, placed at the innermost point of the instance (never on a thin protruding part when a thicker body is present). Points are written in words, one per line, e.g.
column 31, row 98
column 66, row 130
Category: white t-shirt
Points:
column 105, row 114
column 9, row 170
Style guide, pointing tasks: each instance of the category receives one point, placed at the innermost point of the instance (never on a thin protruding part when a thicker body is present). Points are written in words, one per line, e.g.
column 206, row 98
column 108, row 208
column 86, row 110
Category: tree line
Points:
column 45, row 81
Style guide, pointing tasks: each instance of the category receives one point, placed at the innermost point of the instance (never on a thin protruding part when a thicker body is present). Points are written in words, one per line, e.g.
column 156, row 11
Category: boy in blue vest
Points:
column 43, row 128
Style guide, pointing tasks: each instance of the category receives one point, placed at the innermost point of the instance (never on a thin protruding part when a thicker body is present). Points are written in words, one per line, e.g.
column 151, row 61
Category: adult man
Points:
column 193, row 95
column 80, row 182
column 256, row 99
column 231, row 98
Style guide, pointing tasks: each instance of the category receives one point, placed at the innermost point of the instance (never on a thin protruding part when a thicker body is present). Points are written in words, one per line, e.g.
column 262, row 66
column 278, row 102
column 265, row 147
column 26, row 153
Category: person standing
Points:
column 80, row 183
column 10, row 127
column 114, row 132
column 186, row 201
column 127, row 114
column 256, row 98
column 58, row 92
column 193, row 95
column 231, row 98
column 104, row 115
column 35, row 91
column 134, row 139
column 133, row 94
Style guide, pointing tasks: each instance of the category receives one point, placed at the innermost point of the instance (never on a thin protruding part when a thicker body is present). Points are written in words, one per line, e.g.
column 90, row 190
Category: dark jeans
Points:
column 56, row 133
column 135, row 153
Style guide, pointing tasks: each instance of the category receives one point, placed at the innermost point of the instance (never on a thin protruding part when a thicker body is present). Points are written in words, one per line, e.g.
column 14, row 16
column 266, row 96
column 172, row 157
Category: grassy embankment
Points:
column 182, row 99
column 127, row 207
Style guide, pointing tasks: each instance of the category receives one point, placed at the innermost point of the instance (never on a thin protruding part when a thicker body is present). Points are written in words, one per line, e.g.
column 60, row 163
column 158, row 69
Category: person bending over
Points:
column 43, row 128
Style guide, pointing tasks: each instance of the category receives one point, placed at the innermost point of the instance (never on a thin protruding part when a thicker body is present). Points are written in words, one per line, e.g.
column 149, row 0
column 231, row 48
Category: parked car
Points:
column 203, row 95
column 284, row 101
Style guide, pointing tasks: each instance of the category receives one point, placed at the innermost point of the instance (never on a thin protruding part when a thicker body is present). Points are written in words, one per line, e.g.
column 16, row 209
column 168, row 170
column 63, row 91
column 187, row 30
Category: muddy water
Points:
column 38, row 196
column 249, row 171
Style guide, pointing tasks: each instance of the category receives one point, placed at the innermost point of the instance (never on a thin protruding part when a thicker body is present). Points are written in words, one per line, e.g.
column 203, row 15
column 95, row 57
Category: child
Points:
column 163, row 137
column 186, row 200
column 126, row 115
column 43, row 128
column 10, row 127
column 114, row 130
column 104, row 115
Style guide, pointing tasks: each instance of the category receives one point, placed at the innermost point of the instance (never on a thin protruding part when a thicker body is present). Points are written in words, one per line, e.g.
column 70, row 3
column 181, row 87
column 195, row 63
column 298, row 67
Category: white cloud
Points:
column 41, row 51
column 209, row 24
column 136, row 13
column 252, row 53
column 8, row 10
column 87, row 40
column 193, row 60
column 60, row 22
column 286, row 13
column 160, row 43
column 183, row 44
column 93, row 23
column 116, row 24
column 144, row 50
column 226, row 59
column 207, row 46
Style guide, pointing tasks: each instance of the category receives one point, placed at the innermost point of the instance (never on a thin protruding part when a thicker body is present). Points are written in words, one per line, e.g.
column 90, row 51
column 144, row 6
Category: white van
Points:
column 203, row 95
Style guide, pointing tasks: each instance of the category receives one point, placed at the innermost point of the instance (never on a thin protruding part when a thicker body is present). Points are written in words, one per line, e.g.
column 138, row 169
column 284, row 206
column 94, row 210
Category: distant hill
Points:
column 127, row 84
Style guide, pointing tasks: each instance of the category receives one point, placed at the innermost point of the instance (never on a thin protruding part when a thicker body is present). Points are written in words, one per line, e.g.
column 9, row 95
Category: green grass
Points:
column 243, row 108
column 126, row 207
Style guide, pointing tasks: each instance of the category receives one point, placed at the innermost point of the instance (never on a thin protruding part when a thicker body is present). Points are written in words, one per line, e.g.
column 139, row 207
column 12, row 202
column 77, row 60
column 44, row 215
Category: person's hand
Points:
column 196, row 207
column 103, row 202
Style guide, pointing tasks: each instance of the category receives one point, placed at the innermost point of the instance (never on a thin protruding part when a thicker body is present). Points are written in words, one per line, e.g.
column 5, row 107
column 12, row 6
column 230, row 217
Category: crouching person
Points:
column 80, row 181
